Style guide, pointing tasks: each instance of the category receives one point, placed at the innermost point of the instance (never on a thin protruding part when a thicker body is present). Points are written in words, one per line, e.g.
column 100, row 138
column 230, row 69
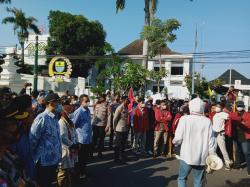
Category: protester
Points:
column 162, row 117
column 112, row 108
column 40, row 105
column 100, row 120
column 131, row 119
column 69, row 145
column 22, row 146
column 194, row 134
column 219, row 121
column 231, row 94
column 82, row 121
column 141, row 123
column 151, row 126
column 241, row 135
column 120, row 123
column 212, row 111
column 46, row 142
column 12, row 172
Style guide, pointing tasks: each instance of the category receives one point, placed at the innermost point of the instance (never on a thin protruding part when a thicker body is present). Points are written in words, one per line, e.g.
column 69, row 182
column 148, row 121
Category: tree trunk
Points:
column 158, row 86
column 159, row 70
column 160, row 58
column 22, row 55
column 145, row 42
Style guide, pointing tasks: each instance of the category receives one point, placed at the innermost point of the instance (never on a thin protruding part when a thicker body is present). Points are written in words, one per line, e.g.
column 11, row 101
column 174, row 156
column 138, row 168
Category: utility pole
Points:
column 193, row 68
column 35, row 65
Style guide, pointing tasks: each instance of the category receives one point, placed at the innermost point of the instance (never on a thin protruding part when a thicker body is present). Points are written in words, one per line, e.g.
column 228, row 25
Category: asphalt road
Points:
column 152, row 172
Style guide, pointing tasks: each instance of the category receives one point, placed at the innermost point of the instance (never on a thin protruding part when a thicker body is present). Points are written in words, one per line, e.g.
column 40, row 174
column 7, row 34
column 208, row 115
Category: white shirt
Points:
column 195, row 134
column 219, row 121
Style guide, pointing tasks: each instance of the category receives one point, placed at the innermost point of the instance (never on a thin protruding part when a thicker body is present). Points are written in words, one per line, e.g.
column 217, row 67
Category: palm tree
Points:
column 150, row 7
column 22, row 25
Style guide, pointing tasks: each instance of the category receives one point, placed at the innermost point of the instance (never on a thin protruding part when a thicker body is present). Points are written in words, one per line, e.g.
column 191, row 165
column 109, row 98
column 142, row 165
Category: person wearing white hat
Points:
column 194, row 134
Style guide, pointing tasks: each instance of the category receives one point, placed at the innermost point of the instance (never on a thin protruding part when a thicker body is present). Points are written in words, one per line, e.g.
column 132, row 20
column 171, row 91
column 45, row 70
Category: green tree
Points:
column 110, row 69
column 22, row 26
column 5, row 1
column 158, row 76
column 122, row 74
column 77, row 37
column 158, row 34
column 135, row 75
column 201, row 85
column 150, row 7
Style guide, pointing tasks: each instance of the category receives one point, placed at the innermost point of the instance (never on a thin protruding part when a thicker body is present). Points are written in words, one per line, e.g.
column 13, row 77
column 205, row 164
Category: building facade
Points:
column 176, row 64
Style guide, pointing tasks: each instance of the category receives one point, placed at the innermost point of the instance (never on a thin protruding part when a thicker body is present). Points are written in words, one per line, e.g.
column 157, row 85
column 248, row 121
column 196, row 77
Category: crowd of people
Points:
column 44, row 137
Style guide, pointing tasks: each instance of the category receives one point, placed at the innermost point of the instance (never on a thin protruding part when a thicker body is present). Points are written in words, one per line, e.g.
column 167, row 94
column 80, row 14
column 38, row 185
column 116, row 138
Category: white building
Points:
column 15, row 81
column 30, row 47
column 177, row 65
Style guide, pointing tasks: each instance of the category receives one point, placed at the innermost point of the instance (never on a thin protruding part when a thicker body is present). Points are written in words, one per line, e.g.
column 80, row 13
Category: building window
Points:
column 175, row 83
column 155, row 89
column 176, row 70
column 157, row 68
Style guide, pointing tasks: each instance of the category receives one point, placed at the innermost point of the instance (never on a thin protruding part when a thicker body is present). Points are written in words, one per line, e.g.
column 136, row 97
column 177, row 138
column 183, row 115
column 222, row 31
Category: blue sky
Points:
column 222, row 24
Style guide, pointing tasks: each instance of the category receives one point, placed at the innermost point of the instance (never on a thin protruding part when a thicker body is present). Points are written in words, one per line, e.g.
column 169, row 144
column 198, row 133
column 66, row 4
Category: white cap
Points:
column 196, row 105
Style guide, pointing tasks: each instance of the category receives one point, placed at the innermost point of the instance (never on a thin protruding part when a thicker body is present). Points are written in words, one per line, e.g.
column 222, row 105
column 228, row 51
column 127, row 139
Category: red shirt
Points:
column 162, row 117
column 245, row 126
column 141, row 121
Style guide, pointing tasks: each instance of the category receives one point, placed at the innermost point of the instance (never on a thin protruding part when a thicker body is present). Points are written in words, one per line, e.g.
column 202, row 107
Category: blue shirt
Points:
column 82, row 121
column 23, row 150
column 132, row 113
column 45, row 139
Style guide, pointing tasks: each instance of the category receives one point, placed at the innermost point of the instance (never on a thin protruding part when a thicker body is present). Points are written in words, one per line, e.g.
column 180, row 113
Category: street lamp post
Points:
column 35, row 65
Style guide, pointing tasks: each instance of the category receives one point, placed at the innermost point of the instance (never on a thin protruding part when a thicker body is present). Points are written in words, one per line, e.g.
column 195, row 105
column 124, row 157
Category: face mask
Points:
column 71, row 115
column 217, row 109
column 58, row 109
column 74, row 102
column 240, row 109
column 164, row 107
column 87, row 104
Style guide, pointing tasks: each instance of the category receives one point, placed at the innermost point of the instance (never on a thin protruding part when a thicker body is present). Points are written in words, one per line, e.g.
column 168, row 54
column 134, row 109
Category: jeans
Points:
column 150, row 140
column 140, row 141
column 184, row 171
column 239, row 156
column 132, row 134
column 246, row 151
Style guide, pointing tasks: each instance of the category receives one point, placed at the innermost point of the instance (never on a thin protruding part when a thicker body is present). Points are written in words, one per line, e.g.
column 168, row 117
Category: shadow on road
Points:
column 141, row 173
column 245, row 182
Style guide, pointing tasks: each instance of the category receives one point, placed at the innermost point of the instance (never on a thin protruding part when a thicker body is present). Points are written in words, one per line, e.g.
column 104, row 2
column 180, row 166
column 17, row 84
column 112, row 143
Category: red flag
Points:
column 131, row 99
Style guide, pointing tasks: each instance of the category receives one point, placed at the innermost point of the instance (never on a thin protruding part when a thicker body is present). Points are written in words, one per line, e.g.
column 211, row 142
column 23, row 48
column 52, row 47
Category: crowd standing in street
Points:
column 47, row 139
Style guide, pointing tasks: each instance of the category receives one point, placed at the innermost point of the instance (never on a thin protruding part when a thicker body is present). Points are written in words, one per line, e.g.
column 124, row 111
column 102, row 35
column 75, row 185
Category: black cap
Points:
column 240, row 104
column 23, row 102
column 51, row 97
column 9, row 109
column 65, row 100
column 5, row 91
